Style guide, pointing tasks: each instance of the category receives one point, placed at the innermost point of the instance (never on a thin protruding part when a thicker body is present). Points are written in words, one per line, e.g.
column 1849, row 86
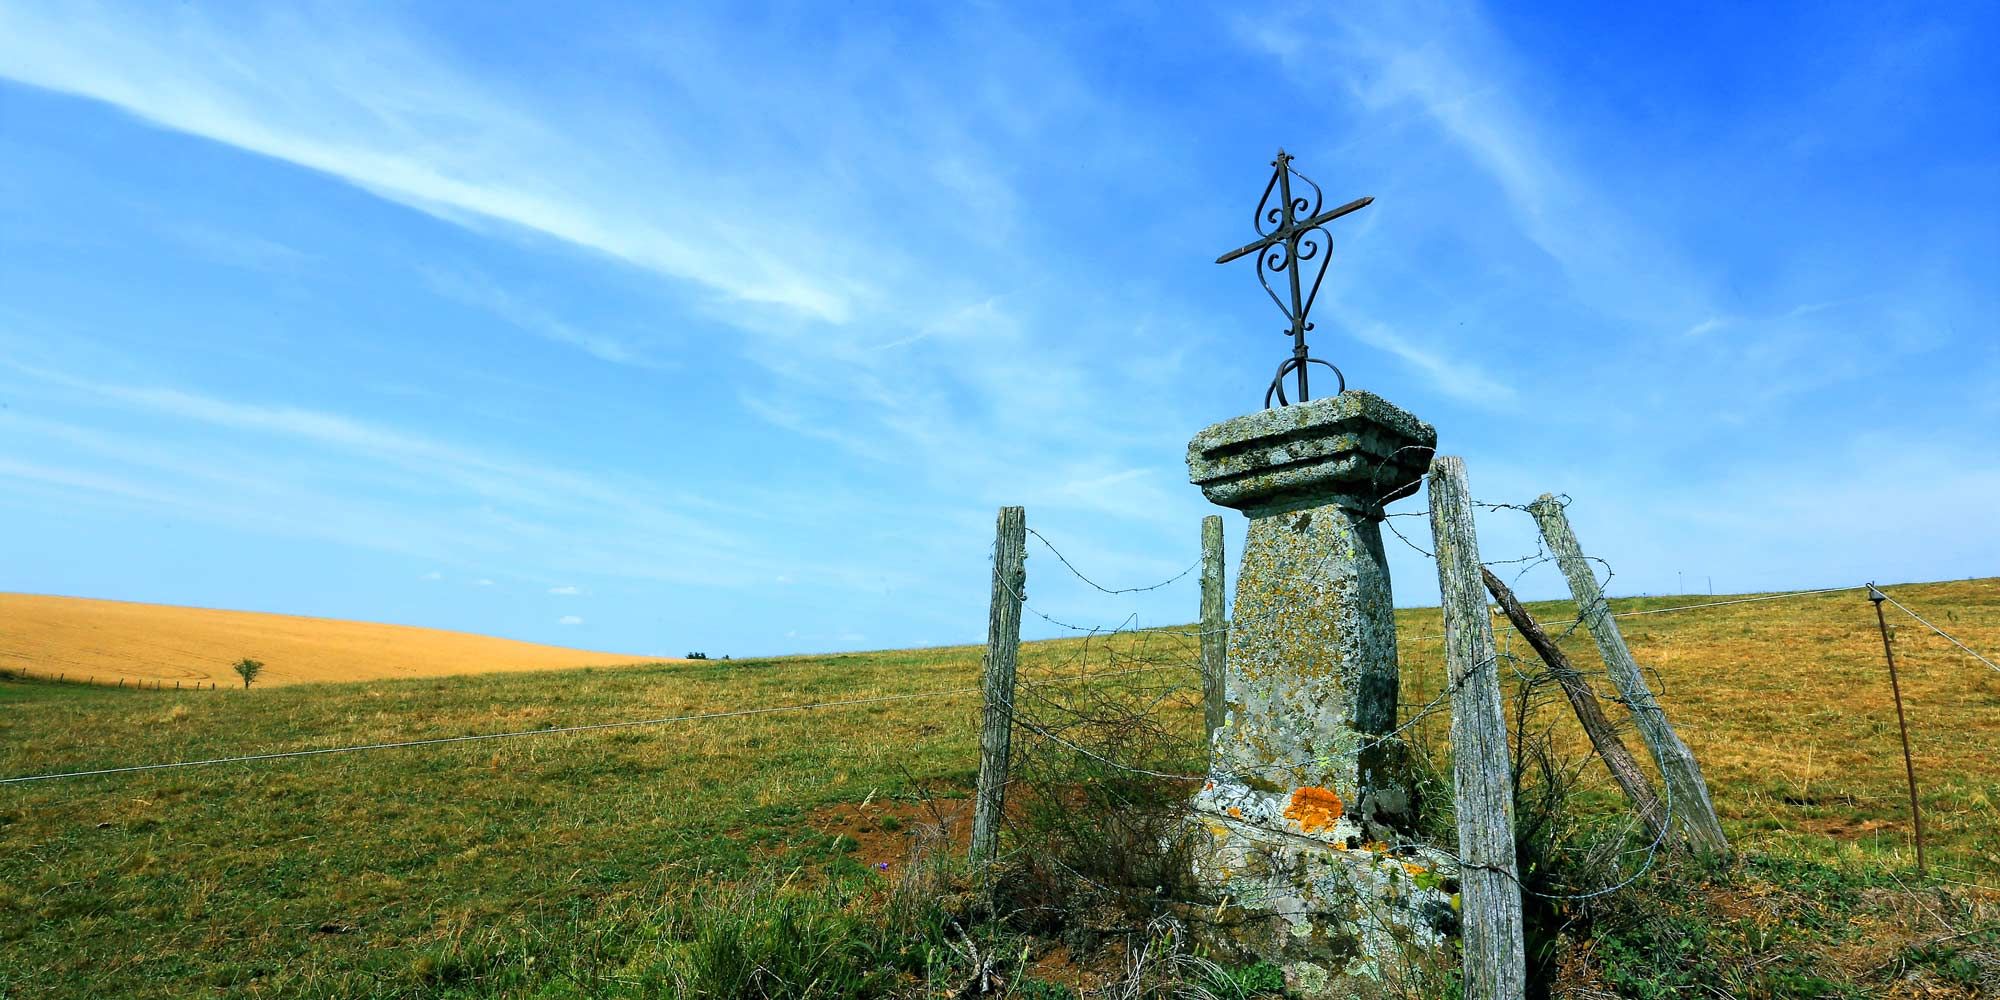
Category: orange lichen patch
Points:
column 1233, row 811
column 1314, row 808
column 1413, row 868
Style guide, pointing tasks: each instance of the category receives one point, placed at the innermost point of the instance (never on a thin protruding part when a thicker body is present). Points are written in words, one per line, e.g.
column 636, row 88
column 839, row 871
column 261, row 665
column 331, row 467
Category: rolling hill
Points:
column 82, row 638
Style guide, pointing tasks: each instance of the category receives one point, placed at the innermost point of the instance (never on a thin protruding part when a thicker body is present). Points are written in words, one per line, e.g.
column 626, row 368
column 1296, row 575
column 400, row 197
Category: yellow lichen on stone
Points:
column 1314, row 808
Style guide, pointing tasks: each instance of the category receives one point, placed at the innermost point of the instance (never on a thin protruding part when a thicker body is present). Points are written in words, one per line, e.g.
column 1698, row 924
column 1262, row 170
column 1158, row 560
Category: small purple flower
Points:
column 883, row 866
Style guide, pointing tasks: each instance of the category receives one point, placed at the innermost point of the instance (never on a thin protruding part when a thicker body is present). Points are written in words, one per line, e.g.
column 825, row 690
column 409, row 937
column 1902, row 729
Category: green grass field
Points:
column 562, row 865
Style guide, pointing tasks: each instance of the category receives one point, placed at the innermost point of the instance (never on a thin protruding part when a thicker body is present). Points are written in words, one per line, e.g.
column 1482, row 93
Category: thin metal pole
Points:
column 1896, row 689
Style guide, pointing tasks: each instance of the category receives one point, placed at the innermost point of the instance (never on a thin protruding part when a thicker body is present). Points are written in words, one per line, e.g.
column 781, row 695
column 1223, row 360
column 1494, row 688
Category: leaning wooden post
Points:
column 1003, row 646
column 1214, row 634
column 1617, row 759
column 1496, row 963
column 1687, row 793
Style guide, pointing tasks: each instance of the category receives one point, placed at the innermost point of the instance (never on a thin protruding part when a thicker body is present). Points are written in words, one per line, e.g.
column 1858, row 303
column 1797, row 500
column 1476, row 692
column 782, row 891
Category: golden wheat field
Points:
column 108, row 641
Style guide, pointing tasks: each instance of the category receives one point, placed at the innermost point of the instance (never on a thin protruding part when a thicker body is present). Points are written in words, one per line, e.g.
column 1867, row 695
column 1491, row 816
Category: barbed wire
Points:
column 1682, row 607
column 481, row 737
column 1126, row 590
column 435, row 741
column 1947, row 636
column 1235, row 771
column 1540, row 556
column 1600, row 605
column 1058, row 734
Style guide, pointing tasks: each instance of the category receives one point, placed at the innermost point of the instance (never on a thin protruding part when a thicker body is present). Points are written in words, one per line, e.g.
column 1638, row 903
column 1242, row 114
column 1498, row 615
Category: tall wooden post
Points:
column 1496, row 963
column 1214, row 637
column 1003, row 647
column 1687, row 793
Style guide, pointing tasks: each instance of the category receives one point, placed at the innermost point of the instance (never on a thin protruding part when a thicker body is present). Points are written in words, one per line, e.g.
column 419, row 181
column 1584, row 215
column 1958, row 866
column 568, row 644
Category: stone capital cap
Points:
column 1355, row 449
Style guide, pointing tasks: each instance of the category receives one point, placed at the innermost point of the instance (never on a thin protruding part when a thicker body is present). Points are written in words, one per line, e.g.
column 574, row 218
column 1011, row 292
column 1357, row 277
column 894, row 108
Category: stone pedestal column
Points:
column 1303, row 790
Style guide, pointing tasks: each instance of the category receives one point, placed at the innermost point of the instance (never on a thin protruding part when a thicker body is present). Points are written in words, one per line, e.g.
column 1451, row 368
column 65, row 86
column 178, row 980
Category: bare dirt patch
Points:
column 884, row 829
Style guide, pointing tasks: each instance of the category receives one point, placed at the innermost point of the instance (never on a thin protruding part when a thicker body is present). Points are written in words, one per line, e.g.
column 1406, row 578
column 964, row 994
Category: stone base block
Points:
column 1340, row 920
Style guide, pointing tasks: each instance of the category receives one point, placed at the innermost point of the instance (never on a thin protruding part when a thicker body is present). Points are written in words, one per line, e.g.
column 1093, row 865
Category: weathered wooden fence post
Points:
column 1214, row 637
column 1003, row 646
column 1617, row 759
column 1687, row 793
column 1496, row 966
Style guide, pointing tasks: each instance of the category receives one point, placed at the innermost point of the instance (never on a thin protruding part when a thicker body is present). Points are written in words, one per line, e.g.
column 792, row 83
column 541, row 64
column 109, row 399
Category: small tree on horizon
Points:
column 248, row 669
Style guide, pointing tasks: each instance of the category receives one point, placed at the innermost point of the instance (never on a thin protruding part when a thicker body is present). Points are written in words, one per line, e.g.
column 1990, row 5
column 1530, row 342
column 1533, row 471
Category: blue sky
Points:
column 654, row 330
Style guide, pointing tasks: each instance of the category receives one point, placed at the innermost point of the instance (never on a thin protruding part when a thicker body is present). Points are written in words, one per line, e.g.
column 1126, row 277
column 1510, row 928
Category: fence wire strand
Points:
column 1948, row 637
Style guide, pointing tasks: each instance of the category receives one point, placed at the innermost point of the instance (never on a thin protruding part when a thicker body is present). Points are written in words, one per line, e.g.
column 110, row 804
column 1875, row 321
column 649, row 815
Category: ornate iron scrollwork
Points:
column 1293, row 235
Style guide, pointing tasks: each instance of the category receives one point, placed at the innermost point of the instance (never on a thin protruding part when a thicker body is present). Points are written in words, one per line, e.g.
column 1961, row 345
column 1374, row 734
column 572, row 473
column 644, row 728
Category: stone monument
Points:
column 1307, row 787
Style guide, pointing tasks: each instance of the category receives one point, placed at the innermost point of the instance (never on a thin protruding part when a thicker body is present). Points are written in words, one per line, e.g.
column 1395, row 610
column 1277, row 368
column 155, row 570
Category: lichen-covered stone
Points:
column 1339, row 921
column 1301, row 777
column 1355, row 449
column 1311, row 679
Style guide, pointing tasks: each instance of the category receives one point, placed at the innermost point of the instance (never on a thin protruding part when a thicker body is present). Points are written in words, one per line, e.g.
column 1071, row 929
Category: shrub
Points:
column 248, row 669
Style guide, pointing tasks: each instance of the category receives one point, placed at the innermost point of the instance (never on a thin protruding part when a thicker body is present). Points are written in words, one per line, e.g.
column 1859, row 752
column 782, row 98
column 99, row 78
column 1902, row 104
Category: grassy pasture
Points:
column 543, row 864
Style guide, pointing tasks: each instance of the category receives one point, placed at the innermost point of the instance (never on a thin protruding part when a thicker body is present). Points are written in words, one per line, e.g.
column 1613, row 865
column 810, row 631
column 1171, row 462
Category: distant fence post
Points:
column 1496, row 963
column 1687, row 793
column 1214, row 615
column 1003, row 647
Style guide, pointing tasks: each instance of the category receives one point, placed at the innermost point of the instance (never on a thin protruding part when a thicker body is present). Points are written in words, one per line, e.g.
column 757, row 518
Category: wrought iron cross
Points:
column 1288, row 247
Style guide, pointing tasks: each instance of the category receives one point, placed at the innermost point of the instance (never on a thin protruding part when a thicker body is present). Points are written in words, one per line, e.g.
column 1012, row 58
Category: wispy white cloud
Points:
column 569, row 620
column 1707, row 326
column 236, row 249
column 86, row 480
column 335, row 469
column 477, row 290
column 1462, row 379
column 893, row 289
column 963, row 382
column 362, row 103
column 566, row 591
column 1444, row 61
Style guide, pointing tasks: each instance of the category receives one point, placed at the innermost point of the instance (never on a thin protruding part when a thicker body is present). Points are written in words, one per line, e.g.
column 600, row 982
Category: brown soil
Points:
column 1847, row 828
column 884, row 828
